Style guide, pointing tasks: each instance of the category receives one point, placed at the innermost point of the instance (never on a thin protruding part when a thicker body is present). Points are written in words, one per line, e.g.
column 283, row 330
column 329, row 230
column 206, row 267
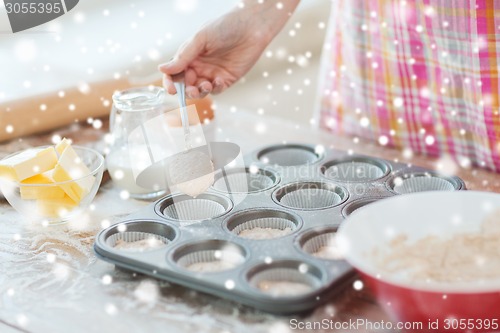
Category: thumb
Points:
column 184, row 56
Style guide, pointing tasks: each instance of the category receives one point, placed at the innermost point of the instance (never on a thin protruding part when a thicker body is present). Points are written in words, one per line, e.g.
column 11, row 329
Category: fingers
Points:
column 218, row 85
column 204, row 87
column 168, row 84
column 200, row 90
column 192, row 92
column 195, row 87
column 180, row 62
column 190, row 77
column 184, row 56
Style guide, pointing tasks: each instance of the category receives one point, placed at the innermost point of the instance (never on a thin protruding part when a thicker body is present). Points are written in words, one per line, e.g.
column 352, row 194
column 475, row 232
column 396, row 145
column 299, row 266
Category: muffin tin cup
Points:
column 355, row 169
column 183, row 208
column 310, row 195
column 411, row 182
column 213, row 257
column 136, row 241
column 209, row 256
column 289, row 155
column 246, row 180
column 320, row 243
column 262, row 224
column 357, row 204
column 285, row 279
column 138, row 236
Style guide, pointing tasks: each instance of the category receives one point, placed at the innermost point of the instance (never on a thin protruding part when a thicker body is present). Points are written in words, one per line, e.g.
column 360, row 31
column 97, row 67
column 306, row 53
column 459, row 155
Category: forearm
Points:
column 268, row 16
column 225, row 49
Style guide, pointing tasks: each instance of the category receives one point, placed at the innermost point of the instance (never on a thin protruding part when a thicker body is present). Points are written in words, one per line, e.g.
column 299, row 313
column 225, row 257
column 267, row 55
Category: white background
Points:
column 100, row 40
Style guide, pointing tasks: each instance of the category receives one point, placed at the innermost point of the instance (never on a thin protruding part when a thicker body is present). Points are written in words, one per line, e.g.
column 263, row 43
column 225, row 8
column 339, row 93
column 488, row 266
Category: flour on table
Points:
column 283, row 288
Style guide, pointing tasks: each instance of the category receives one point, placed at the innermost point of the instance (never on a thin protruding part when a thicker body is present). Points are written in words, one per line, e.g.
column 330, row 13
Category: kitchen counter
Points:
column 79, row 293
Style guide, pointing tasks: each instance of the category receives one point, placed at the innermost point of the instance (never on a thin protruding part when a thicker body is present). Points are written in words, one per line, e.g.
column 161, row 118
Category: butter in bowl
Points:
column 51, row 184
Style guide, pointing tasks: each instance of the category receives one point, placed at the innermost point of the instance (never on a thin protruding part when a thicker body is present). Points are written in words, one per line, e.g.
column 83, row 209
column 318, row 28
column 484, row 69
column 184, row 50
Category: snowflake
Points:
column 84, row 88
column 383, row 140
column 330, row 310
column 446, row 165
column 319, row 149
column 364, row 122
column 51, row 257
column 357, row 285
column 79, row 17
column 429, row 140
column 22, row 320
column 97, row 124
column 154, row 54
column 229, row 284
column 124, row 194
column 25, row 50
column 105, row 223
column 398, row 102
column 107, row 279
column 61, row 271
column 110, row 309
column 147, row 291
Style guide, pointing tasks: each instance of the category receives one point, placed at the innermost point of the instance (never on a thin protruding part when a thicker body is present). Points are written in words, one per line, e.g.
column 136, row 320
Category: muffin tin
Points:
column 263, row 235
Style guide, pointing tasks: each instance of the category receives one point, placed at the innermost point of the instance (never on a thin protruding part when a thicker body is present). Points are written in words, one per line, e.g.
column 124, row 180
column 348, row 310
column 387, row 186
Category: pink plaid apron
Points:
column 417, row 74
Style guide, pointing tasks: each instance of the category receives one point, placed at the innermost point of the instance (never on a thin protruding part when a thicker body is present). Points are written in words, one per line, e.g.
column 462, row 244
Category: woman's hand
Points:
column 225, row 50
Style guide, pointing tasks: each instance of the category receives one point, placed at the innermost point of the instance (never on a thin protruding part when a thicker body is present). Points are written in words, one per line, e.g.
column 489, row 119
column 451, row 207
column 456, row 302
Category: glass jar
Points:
column 129, row 151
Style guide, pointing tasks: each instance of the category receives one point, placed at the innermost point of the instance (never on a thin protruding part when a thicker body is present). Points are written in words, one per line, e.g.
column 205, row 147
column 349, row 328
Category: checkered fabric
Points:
column 417, row 74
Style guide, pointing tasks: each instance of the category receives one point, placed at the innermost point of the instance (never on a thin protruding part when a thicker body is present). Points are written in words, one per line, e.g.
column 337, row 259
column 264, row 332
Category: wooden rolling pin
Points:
column 41, row 113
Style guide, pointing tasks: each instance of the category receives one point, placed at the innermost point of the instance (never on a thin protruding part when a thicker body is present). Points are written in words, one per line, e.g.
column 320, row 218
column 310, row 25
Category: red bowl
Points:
column 432, row 306
column 437, row 312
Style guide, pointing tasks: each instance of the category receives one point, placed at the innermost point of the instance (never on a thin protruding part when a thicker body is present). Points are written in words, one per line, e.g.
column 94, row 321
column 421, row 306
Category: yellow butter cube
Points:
column 71, row 167
column 28, row 163
column 43, row 191
column 61, row 146
column 55, row 207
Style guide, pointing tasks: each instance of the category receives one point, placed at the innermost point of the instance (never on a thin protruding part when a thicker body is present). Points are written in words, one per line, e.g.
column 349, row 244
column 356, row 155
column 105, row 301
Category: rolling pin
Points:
column 37, row 114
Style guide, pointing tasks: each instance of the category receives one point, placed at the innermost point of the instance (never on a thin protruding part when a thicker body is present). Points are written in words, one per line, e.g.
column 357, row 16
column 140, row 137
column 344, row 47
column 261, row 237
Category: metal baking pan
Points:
column 296, row 194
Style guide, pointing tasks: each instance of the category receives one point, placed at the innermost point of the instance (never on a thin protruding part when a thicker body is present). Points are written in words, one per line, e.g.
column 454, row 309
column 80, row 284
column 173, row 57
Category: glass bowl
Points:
column 50, row 203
